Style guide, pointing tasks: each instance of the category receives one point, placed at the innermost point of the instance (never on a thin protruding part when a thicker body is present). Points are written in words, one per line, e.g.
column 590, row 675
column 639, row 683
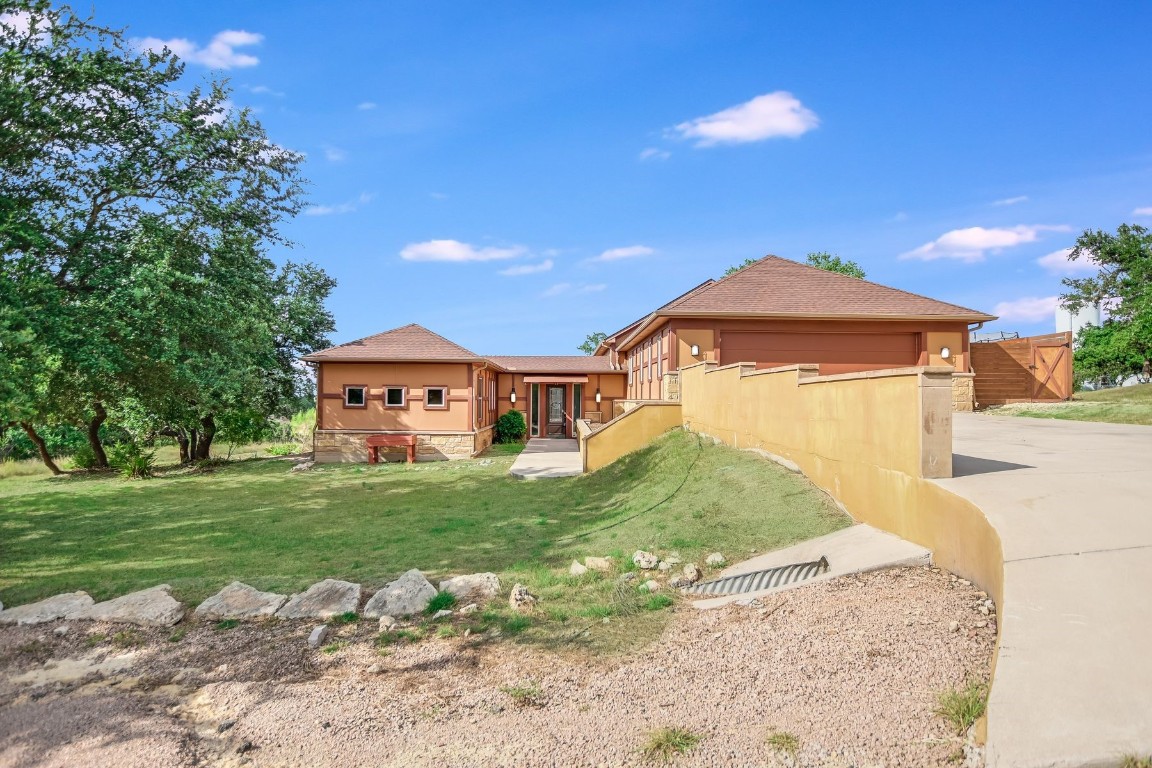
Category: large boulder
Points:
column 323, row 600
column 64, row 606
column 645, row 561
column 476, row 586
column 603, row 564
column 240, row 601
column 153, row 607
column 521, row 599
column 405, row 596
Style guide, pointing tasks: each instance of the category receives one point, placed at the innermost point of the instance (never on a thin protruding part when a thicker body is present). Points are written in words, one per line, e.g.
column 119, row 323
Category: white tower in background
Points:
column 1089, row 314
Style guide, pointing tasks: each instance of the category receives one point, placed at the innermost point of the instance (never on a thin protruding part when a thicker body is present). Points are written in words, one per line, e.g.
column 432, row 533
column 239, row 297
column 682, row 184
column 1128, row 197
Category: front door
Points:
column 555, row 406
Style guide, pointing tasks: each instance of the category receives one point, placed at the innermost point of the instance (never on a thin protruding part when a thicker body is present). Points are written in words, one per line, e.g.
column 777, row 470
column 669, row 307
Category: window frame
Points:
column 444, row 405
column 363, row 394
column 403, row 396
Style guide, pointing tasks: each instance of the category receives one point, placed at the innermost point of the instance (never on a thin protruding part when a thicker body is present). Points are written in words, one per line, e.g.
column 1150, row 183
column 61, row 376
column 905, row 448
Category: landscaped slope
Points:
column 1122, row 405
column 279, row 530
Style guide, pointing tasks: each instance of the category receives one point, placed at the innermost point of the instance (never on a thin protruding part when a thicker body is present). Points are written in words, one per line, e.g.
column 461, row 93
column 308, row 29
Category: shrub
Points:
column 84, row 457
column 132, row 461
column 284, row 449
column 511, row 428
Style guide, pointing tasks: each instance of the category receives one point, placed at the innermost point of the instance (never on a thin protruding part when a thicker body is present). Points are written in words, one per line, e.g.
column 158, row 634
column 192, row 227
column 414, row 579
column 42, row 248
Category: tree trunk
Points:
column 207, row 432
column 94, row 435
column 41, row 447
column 181, row 438
column 193, row 444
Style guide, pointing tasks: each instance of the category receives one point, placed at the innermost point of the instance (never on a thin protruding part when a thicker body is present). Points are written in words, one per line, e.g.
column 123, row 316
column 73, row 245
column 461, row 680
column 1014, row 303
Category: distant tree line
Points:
column 136, row 295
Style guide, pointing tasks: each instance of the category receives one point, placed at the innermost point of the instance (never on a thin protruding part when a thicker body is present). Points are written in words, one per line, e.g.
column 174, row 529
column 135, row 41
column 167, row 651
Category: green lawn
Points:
column 1122, row 405
column 257, row 522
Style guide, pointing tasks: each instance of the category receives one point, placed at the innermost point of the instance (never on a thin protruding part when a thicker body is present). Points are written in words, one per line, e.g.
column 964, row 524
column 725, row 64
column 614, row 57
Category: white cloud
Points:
column 264, row 91
column 652, row 153
column 1058, row 264
column 900, row 216
column 220, row 114
column 438, row 195
column 594, row 288
column 528, row 269
column 330, row 210
column 364, row 106
column 557, row 289
column 1146, row 211
column 20, row 21
column 456, row 251
column 764, row 117
column 1011, row 200
column 334, row 154
column 220, row 53
column 970, row 244
column 628, row 252
column 562, row 288
column 1029, row 309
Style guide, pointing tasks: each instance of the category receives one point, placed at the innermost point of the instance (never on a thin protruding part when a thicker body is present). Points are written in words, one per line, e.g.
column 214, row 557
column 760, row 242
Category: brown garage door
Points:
column 834, row 352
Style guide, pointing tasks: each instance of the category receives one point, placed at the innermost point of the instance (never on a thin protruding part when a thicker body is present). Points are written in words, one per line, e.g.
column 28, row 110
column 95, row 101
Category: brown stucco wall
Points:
column 332, row 414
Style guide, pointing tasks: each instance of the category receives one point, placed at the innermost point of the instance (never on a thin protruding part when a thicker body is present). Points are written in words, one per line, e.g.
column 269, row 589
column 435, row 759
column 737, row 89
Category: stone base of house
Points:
column 484, row 438
column 671, row 387
column 335, row 446
column 963, row 392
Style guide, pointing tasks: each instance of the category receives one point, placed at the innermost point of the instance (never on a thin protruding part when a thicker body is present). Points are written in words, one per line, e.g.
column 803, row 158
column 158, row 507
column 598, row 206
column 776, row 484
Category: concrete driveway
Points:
column 1072, row 502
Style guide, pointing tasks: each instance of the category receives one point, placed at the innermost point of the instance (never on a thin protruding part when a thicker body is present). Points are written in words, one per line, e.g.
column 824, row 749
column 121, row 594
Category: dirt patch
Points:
column 850, row 668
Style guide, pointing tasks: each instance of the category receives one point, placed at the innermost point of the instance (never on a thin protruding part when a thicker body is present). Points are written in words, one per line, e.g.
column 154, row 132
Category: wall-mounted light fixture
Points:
column 597, row 395
column 512, row 397
column 945, row 352
column 695, row 350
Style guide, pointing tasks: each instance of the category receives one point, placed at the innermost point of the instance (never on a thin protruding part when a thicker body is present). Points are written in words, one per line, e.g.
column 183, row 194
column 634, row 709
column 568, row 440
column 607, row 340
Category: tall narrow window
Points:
column 535, row 401
column 577, row 401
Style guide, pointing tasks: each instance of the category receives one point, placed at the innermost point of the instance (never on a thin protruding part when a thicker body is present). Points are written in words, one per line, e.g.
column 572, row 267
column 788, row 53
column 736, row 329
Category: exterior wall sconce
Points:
column 513, row 396
column 695, row 350
column 597, row 395
column 945, row 352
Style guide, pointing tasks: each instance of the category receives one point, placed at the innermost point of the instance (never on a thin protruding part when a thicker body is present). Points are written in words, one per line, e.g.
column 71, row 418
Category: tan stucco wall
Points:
column 332, row 447
column 628, row 433
column 871, row 440
column 332, row 414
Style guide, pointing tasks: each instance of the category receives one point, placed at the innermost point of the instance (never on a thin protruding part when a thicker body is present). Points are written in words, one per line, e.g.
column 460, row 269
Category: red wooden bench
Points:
column 376, row 442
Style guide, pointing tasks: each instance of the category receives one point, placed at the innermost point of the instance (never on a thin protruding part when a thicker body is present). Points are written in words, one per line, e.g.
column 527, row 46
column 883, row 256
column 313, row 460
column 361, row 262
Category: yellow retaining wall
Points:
column 872, row 440
column 626, row 433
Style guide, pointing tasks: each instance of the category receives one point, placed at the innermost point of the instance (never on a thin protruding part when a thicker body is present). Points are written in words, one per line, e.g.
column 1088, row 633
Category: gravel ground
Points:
column 849, row 667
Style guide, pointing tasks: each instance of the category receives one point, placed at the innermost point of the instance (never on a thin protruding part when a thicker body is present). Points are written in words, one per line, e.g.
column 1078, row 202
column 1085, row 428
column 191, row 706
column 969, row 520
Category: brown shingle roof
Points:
column 553, row 363
column 776, row 287
column 411, row 342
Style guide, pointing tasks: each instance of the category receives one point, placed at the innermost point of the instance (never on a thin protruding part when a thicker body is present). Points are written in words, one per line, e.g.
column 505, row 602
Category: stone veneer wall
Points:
column 332, row 446
column 484, row 438
column 671, row 387
column 963, row 392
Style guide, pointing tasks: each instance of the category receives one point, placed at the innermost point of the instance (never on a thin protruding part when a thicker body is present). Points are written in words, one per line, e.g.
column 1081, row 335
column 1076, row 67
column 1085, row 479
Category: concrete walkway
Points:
column 1072, row 502
column 855, row 549
column 547, row 457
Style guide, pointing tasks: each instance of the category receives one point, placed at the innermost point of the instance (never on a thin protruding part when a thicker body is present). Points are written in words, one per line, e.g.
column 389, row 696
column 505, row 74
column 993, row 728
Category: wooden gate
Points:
column 1027, row 370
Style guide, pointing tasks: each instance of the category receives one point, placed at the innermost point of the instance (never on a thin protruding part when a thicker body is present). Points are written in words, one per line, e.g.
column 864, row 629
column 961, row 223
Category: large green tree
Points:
column 1123, row 287
column 134, row 218
column 591, row 343
column 831, row 263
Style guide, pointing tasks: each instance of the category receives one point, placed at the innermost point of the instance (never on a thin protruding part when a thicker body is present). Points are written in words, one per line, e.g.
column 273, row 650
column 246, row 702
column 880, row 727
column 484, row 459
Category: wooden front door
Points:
column 1052, row 371
column 554, row 403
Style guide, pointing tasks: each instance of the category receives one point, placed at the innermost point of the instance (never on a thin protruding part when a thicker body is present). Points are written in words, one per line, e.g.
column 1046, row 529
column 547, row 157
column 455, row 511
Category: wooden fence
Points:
column 1027, row 370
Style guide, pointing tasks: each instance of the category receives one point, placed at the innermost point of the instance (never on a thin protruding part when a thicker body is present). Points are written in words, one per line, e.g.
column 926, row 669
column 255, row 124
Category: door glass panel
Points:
column 578, row 394
column 555, row 405
column 535, row 409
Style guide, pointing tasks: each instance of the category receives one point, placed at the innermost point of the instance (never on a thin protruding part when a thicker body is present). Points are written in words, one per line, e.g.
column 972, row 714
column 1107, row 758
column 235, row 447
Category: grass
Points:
column 504, row 449
column 1121, row 405
column 227, row 624
column 527, row 695
column 782, row 741
column 441, row 601
column 666, row 743
column 963, row 706
column 1133, row 761
column 258, row 522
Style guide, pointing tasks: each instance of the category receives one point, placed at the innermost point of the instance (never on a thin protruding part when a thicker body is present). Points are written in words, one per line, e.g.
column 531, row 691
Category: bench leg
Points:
column 411, row 454
column 373, row 454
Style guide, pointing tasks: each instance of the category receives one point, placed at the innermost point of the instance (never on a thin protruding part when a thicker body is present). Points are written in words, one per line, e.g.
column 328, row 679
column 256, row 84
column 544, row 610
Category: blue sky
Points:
column 515, row 175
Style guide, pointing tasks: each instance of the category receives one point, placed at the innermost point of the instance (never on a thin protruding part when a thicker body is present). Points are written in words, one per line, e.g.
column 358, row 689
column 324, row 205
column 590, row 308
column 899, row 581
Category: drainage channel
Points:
column 768, row 579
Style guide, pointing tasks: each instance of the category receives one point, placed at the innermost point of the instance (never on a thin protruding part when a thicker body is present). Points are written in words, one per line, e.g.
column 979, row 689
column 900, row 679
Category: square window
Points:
column 355, row 396
column 435, row 397
column 395, row 397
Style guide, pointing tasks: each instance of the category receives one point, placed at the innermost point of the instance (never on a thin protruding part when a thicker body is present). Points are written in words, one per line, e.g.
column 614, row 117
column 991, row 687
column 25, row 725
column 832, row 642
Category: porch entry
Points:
column 556, row 419
column 555, row 405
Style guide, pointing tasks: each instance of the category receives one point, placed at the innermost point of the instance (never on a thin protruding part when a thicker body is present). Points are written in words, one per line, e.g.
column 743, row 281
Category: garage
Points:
column 833, row 352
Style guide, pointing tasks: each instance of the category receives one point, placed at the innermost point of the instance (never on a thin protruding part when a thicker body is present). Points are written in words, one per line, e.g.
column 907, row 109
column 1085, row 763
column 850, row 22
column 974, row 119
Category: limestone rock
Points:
column 693, row 573
column 304, row 466
column 651, row 585
column 152, row 607
column 240, row 601
column 576, row 569
column 715, row 559
column 405, row 596
column 679, row 582
column 443, row 613
column 645, row 560
column 521, row 599
column 674, row 559
column 664, row 565
column 388, row 623
column 318, row 636
column 477, row 586
column 598, row 563
column 322, row 600
column 62, row 630
column 469, row 609
column 64, row 606
column 954, row 626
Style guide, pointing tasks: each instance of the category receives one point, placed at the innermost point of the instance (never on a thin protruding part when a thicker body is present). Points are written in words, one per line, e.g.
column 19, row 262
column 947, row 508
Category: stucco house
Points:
column 411, row 381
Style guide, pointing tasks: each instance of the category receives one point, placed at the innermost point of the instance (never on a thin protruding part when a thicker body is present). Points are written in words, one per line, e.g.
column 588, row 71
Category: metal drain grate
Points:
column 757, row 580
